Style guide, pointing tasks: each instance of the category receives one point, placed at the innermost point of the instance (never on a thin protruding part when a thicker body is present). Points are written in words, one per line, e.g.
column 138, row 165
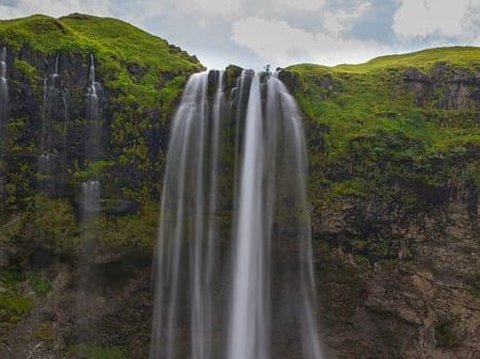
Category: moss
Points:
column 13, row 307
column 45, row 332
column 129, row 234
column 371, row 145
column 40, row 284
column 445, row 334
column 26, row 69
column 55, row 226
column 475, row 286
column 93, row 352
column 94, row 170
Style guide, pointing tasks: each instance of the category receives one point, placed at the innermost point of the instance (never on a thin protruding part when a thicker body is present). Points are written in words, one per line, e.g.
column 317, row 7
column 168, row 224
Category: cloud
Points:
column 279, row 43
column 130, row 11
column 273, row 40
column 340, row 21
column 300, row 5
column 219, row 7
column 441, row 18
column 20, row 8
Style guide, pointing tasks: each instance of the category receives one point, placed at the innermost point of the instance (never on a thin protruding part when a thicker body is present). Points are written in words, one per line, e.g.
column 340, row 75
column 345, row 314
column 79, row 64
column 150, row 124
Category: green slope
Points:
column 378, row 136
column 116, row 46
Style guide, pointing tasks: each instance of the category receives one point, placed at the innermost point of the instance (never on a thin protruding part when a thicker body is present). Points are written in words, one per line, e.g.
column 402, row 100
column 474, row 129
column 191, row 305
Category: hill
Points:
column 394, row 148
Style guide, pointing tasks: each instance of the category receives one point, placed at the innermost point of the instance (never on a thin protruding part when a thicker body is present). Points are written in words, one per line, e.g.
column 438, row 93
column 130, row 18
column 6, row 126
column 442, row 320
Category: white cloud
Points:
column 55, row 8
column 340, row 21
column 300, row 5
column 134, row 12
column 219, row 7
column 273, row 40
column 423, row 18
column 278, row 42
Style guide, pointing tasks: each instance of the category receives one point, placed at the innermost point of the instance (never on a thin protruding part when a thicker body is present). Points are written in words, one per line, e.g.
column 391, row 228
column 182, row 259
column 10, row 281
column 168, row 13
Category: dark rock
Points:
column 6, row 257
column 120, row 207
column 415, row 75
column 40, row 258
column 290, row 80
column 135, row 70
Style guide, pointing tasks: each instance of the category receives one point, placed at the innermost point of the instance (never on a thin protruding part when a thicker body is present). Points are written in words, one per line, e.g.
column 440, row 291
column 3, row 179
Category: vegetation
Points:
column 13, row 303
column 393, row 132
column 89, row 352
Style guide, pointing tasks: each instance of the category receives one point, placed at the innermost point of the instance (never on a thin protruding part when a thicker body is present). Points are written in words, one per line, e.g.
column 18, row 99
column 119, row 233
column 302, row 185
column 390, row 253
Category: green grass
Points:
column 425, row 59
column 93, row 352
column 370, row 141
column 13, row 304
column 128, row 59
column 40, row 285
column 370, row 98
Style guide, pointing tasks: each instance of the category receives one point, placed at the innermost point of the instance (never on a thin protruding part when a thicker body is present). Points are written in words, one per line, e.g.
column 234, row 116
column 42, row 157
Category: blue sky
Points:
column 252, row 33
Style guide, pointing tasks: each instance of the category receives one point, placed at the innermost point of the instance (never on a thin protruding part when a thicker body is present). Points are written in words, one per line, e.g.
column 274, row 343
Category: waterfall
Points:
column 234, row 270
column 4, row 103
column 53, row 161
column 90, row 209
column 247, row 333
column 3, row 94
column 91, row 188
column 93, row 113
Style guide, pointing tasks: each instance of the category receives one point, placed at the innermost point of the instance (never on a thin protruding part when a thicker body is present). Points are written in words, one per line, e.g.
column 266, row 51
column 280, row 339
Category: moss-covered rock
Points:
column 394, row 148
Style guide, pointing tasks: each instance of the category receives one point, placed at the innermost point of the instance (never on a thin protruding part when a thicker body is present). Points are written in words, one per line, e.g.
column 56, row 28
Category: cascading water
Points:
column 3, row 94
column 93, row 114
column 90, row 205
column 91, row 188
column 52, row 163
column 250, row 296
column 247, row 326
column 4, row 103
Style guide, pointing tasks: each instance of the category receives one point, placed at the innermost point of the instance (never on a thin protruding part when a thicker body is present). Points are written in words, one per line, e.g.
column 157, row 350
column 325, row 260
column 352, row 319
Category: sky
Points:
column 253, row 33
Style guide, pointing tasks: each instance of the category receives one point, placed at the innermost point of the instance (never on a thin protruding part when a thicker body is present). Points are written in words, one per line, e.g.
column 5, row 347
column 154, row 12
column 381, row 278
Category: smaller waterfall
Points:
column 93, row 143
column 4, row 103
column 90, row 200
column 3, row 91
column 93, row 114
column 52, row 165
column 91, row 188
column 90, row 205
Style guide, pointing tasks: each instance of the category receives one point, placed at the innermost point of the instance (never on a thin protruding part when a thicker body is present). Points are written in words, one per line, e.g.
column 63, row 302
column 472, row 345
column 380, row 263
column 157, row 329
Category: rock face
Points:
column 45, row 266
column 394, row 184
column 455, row 89
column 424, row 306
column 394, row 158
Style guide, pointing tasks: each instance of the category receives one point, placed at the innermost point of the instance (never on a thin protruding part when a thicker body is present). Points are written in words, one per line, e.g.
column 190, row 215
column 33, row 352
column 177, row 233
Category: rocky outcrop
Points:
column 450, row 88
column 422, row 305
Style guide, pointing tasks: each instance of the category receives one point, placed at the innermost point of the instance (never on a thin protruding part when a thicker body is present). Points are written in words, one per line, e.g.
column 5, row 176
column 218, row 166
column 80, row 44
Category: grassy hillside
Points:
column 142, row 77
column 360, row 99
column 400, row 131
column 116, row 45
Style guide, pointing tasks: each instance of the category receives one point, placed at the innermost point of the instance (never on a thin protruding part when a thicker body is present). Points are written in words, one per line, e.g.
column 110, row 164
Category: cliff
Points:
column 394, row 149
column 46, row 156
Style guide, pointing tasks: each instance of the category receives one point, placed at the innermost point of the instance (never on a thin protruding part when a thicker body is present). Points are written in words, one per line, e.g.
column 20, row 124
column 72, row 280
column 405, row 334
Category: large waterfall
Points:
column 234, row 260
